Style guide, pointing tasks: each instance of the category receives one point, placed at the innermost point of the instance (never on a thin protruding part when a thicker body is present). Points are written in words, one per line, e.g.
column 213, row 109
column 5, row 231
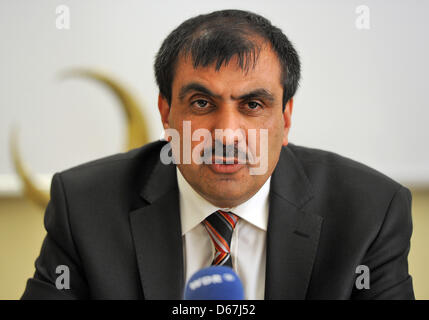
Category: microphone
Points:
column 214, row 283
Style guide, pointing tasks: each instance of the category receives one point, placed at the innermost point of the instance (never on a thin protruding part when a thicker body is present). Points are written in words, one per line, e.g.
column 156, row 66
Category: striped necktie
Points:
column 220, row 226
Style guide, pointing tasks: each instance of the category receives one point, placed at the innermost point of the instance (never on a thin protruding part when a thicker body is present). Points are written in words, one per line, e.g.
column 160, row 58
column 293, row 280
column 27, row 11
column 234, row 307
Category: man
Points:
column 308, row 225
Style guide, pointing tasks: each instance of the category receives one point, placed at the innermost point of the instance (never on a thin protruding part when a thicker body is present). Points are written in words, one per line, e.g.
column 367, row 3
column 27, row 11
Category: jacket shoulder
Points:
column 143, row 153
column 323, row 166
column 120, row 175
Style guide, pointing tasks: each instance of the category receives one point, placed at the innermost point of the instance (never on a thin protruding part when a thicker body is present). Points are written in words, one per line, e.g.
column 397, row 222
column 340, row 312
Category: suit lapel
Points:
column 293, row 234
column 156, row 231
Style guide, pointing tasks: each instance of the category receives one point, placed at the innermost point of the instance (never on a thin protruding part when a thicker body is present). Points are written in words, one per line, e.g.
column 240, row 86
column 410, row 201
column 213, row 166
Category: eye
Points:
column 253, row 105
column 200, row 103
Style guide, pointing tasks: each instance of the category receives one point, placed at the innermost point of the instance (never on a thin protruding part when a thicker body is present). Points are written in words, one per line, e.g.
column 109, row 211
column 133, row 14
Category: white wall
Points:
column 364, row 93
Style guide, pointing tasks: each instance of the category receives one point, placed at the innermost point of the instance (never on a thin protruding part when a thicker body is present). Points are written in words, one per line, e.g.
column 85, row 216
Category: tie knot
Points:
column 229, row 217
column 220, row 226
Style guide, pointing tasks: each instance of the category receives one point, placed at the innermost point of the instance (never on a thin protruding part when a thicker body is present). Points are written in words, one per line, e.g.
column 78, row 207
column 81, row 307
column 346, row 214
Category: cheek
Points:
column 265, row 142
column 275, row 128
column 174, row 120
column 278, row 127
column 275, row 140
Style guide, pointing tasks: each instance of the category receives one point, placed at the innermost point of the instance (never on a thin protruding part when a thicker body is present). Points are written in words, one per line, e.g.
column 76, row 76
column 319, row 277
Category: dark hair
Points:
column 217, row 37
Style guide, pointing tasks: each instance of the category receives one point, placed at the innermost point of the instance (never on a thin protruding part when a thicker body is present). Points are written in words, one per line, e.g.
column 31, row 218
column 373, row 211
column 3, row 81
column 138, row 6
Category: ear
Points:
column 164, row 110
column 287, row 116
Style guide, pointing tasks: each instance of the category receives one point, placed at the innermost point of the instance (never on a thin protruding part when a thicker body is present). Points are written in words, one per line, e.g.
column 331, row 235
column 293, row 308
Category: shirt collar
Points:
column 194, row 208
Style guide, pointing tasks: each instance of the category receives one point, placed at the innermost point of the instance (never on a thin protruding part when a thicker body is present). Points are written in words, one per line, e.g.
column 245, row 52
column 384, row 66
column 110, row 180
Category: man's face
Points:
column 229, row 98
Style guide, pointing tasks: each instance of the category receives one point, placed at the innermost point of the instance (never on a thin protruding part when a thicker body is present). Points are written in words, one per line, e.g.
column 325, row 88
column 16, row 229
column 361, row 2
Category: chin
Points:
column 226, row 197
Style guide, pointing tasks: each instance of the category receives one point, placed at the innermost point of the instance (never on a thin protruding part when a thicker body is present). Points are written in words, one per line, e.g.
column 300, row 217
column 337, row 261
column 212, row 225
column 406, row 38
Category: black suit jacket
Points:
column 115, row 223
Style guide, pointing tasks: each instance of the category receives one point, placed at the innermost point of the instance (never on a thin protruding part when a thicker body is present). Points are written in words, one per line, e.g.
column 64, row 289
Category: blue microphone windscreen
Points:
column 214, row 283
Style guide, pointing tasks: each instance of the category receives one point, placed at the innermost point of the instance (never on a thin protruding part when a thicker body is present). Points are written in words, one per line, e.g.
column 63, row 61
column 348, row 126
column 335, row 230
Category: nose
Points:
column 228, row 126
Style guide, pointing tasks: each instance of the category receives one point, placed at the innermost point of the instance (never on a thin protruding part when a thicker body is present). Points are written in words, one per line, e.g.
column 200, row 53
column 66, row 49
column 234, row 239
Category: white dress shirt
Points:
column 248, row 243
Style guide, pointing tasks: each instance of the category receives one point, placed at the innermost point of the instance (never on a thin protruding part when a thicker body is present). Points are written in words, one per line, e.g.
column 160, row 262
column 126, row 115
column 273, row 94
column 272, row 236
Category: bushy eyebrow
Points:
column 195, row 86
column 259, row 93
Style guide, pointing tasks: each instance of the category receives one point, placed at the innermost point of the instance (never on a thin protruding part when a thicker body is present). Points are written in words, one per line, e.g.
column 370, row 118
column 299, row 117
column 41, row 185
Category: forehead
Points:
column 263, row 71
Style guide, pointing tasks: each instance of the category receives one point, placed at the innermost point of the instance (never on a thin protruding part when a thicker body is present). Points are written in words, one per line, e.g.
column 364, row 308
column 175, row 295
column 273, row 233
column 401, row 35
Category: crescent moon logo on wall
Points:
column 137, row 132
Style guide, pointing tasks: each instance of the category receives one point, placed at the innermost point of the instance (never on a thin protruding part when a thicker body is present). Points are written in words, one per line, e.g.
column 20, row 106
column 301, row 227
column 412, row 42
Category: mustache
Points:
column 228, row 151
